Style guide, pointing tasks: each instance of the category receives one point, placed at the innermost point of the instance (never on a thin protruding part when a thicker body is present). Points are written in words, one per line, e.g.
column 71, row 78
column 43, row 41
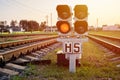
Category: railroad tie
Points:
column 23, row 60
column 8, row 71
column 47, row 49
column 14, row 66
column 43, row 50
column 20, row 60
column 31, row 58
column 118, row 65
column 39, row 52
column 35, row 54
column 115, row 59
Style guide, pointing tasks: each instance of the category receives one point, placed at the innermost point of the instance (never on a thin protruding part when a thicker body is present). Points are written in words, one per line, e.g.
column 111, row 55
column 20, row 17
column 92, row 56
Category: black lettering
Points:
column 68, row 47
column 76, row 47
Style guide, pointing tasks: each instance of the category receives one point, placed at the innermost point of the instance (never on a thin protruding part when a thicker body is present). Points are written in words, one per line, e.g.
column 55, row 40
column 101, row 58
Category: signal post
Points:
column 72, row 37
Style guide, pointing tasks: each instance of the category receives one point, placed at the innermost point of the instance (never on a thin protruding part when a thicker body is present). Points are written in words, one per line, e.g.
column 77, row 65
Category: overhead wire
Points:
column 27, row 10
column 29, row 7
column 18, row 5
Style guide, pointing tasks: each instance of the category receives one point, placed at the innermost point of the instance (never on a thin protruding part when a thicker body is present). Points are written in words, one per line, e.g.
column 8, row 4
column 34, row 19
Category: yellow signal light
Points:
column 63, row 26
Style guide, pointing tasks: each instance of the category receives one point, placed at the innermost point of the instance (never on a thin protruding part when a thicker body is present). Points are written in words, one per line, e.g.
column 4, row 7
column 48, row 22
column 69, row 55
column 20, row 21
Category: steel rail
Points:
column 110, row 46
column 108, row 37
column 25, row 41
column 15, row 53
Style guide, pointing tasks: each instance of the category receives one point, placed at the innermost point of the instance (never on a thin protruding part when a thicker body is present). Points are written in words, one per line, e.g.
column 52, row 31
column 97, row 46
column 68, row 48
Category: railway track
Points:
column 23, row 47
column 21, row 42
column 14, row 58
column 13, row 61
column 113, row 50
column 107, row 37
column 110, row 46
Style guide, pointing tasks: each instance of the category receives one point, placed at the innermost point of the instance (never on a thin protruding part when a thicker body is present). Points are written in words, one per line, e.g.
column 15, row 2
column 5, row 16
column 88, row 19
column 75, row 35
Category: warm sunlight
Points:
column 105, row 11
column 59, row 39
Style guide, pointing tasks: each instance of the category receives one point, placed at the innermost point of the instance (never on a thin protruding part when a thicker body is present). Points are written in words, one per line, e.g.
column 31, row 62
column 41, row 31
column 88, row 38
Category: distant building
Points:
column 111, row 28
column 51, row 29
column 91, row 28
column 3, row 26
column 11, row 29
column 15, row 29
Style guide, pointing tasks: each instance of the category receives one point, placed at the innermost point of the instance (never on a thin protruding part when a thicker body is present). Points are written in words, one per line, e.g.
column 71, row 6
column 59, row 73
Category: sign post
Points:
column 72, row 50
column 72, row 63
column 72, row 36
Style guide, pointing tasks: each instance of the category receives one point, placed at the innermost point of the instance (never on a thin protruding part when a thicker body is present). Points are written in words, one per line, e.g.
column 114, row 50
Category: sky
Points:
column 105, row 11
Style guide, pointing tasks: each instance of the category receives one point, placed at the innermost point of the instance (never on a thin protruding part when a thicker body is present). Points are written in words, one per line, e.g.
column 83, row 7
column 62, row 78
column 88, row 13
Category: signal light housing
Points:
column 80, row 17
column 81, row 11
column 64, row 20
column 80, row 27
column 63, row 11
column 63, row 27
column 64, row 23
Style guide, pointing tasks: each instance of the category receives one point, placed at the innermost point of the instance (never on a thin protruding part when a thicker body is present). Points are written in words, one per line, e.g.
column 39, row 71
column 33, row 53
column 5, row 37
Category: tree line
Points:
column 29, row 25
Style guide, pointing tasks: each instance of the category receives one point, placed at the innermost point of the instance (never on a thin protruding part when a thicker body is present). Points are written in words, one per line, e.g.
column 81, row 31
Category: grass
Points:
column 13, row 39
column 24, row 33
column 94, row 66
column 107, row 33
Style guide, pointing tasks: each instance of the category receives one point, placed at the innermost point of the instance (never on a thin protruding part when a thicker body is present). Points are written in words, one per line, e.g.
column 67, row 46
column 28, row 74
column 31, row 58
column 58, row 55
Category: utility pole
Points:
column 51, row 21
column 97, row 22
column 47, row 19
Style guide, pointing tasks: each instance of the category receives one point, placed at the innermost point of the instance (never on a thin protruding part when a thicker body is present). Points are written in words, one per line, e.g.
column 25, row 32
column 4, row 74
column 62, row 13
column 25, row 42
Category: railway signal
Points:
column 71, row 37
column 80, row 17
column 64, row 20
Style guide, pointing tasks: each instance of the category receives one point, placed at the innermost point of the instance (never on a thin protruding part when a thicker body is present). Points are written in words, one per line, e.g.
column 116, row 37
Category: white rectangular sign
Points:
column 71, row 47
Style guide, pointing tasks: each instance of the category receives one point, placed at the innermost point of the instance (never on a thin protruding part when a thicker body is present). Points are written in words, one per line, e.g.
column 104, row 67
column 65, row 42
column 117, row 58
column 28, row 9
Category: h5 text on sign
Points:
column 72, row 47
